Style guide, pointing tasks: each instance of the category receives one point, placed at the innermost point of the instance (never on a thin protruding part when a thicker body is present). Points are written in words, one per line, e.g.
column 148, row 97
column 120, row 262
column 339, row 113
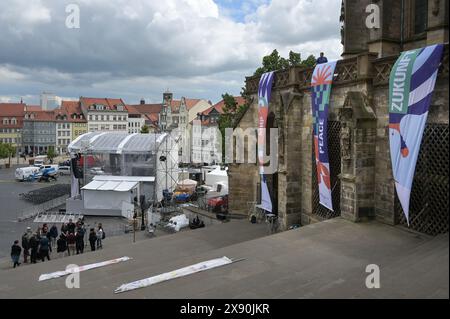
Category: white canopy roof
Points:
column 117, row 186
column 116, row 143
column 124, row 178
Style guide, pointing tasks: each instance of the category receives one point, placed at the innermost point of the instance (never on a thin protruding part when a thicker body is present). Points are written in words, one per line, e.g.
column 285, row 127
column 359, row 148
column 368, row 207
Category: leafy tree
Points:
column 145, row 129
column 274, row 61
column 294, row 58
column 309, row 62
column 7, row 151
column 51, row 154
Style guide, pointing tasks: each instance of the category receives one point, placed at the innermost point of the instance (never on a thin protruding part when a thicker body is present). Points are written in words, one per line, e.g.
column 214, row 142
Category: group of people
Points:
column 38, row 245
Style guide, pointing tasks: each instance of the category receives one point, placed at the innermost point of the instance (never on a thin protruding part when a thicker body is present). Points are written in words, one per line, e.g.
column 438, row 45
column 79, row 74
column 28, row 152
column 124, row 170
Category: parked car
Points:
column 64, row 170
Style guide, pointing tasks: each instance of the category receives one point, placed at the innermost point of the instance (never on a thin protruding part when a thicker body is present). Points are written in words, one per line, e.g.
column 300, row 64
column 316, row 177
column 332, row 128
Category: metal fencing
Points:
column 334, row 155
column 42, row 208
column 428, row 209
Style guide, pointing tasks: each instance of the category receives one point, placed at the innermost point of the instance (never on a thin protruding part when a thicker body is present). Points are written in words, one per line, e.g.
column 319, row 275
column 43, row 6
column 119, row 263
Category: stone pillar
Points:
column 358, row 134
column 355, row 34
column 290, row 163
column 385, row 41
column 437, row 31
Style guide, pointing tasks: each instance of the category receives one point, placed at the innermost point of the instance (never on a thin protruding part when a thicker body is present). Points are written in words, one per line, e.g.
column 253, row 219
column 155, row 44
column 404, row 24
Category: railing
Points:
column 41, row 208
column 382, row 69
column 346, row 72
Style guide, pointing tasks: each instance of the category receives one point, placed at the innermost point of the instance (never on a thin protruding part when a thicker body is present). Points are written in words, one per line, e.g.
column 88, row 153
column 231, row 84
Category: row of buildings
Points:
column 34, row 129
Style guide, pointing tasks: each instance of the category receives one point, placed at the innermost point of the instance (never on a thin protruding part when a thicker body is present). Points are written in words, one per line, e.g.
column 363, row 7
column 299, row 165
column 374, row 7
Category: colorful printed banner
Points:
column 411, row 86
column 264, row 91
column 189, row 270
column 66, row 272
column 321, row 89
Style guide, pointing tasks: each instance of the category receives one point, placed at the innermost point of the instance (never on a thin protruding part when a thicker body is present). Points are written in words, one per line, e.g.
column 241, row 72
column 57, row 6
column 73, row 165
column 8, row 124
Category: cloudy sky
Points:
column 137, row 49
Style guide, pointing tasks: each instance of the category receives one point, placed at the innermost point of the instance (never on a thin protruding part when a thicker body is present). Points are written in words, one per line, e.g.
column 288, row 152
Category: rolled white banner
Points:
column 62, row 273
column 202, row 266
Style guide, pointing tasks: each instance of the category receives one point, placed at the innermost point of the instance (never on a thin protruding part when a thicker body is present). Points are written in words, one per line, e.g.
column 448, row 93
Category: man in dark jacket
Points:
column 26, row 244
column 79, row 239
column 92, row 238
column 44, row 248
column 53, row 235
column 15, row 253
column 61, row 245
column 34, row 244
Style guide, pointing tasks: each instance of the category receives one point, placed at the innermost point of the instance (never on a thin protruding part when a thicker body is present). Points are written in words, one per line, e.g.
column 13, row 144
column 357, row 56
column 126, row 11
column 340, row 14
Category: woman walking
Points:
column 15, row 253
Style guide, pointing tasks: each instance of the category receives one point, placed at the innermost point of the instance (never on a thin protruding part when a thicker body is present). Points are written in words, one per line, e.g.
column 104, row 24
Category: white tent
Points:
column 216, row 176
column 110, row 195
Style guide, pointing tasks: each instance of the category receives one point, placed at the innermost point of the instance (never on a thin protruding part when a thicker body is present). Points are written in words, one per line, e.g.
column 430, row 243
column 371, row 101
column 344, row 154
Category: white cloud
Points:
column 139, row 47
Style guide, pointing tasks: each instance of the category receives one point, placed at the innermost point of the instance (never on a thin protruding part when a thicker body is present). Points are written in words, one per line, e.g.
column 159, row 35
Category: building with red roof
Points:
column 135, row 119
column 11, row 122
column 205, row 134
column 104, row 114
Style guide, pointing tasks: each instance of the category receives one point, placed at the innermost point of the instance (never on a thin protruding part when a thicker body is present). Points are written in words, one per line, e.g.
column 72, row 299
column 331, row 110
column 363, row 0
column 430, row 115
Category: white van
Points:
column 24, row 173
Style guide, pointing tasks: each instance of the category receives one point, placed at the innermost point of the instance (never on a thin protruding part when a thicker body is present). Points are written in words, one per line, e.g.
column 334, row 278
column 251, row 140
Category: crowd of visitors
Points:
column 38, row 245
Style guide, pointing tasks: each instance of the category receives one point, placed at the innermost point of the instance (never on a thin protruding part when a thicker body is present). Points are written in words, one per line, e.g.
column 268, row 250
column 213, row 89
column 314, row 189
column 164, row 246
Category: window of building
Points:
column 5, row 120
column 420, row 16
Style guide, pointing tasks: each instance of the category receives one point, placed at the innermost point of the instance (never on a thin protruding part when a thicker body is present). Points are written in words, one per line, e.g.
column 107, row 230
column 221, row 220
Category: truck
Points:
column 40, row 160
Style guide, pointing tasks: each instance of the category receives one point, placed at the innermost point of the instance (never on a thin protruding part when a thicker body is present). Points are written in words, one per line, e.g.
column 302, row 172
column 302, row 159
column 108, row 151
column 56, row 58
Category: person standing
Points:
column 33, row 244
column 71, row 243
column 71, row 226
column 61, row 245
column 53, row 235
column 44, row 248
column 15, row 253
column 64, row 229
column 79, row 240
column 26, row 244
column 92, row 238
column 100, row 236
column 321, row 59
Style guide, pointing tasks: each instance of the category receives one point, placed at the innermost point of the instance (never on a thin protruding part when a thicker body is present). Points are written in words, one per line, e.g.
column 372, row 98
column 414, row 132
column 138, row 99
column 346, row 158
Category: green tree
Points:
column 294, row 58
column 145, row 129
column 309, row 62
column 7, row 151
column 51, row 154
column 274, row 61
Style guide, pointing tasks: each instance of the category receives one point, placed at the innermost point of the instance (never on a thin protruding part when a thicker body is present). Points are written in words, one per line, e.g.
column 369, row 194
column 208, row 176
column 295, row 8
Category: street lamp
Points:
column 18, row 142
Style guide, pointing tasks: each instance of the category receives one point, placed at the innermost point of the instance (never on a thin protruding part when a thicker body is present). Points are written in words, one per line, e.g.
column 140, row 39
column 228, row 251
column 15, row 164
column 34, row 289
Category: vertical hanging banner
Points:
column 321, row 82
column 411, row 86
column 264, row 91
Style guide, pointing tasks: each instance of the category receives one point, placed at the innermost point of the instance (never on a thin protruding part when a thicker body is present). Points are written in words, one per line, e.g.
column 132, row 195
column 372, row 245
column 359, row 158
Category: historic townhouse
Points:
column 105, row 114
column 70, row 123
column 205, row 135
column 11, row 122
column 135, row 119
column 39, row 131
